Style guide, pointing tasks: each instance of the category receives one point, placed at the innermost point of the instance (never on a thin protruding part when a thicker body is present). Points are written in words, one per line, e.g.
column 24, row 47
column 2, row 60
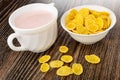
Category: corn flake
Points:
column 77, row 68
column 44, row 58
column 100, row 22
column 95, row 13
column 84, row 11
column 105, row 24
column 64, row 71
column 44, row 67
column 92, row 59
column 108, row 21
column 66, row 58
column 56, row 63
column 104, row 13
column 74, row 11
column 63, row 49
column 79, row 19
column 71, row 26
column 71, row 16
column 92, row 27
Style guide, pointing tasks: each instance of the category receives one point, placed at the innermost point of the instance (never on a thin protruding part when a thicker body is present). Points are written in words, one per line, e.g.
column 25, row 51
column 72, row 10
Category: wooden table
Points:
column 24, row 65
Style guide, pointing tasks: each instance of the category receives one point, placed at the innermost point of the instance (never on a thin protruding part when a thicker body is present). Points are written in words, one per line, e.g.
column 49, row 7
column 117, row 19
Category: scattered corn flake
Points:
column 63, row 49
column 64, row 71
column 66, row 58
column 44, row 67
column 56, row 63
column 77, row 68
column 44, row 58
column 92, row 59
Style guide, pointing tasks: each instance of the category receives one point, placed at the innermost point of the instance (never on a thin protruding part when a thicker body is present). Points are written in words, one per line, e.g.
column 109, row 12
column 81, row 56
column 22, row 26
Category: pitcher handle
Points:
column 11, row 45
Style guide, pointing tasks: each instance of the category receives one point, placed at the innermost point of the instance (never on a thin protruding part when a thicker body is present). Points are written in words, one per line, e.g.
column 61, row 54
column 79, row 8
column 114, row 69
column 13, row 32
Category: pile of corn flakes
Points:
column 64, row 70
column 86, row 21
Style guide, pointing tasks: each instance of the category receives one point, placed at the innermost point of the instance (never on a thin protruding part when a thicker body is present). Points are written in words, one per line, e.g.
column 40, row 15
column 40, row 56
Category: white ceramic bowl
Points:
column 92, row 38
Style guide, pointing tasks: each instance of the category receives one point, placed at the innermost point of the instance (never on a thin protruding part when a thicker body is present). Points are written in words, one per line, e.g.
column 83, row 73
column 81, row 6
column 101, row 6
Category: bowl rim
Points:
column 87, row 6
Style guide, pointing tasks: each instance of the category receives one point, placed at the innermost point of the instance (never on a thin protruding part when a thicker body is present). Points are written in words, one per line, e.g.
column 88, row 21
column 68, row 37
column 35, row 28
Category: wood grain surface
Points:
column 24, row 65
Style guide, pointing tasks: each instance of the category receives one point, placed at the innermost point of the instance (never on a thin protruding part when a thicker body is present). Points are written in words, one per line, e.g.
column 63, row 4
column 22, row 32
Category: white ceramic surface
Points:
column 92, row 38
column 37, row 39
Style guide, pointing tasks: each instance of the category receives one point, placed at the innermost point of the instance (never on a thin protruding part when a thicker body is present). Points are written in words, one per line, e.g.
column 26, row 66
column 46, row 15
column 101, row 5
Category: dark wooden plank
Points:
column 6, row 59
column 24, row 65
